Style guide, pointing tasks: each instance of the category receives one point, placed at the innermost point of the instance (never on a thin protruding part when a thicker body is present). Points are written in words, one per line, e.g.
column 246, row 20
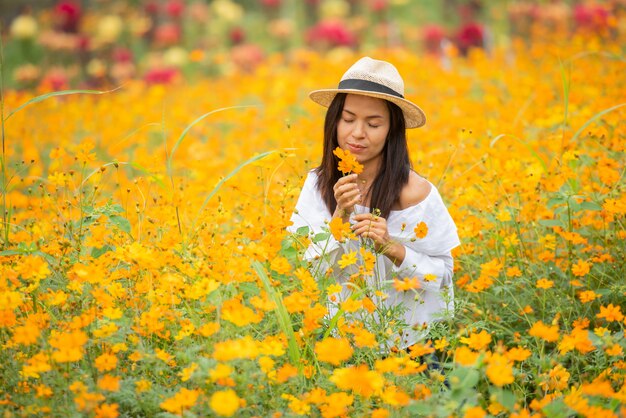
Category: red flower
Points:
column 237, row 35
column 68, row 13
column 151, row 7
column 471, row 35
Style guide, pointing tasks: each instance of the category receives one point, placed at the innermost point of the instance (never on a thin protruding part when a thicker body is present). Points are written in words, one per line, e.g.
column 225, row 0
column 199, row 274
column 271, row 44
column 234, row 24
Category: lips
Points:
column 355, row 148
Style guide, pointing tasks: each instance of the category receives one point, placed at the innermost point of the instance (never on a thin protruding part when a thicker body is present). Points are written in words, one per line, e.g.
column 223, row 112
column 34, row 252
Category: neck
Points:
column 370, row 171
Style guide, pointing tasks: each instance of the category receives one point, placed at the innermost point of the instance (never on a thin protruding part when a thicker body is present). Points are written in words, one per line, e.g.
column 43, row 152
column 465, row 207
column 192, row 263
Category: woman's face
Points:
column 363, row 127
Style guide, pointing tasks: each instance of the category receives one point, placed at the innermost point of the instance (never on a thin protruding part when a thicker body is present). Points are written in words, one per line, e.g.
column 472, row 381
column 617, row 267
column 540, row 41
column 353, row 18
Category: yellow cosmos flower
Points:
column 347, row 259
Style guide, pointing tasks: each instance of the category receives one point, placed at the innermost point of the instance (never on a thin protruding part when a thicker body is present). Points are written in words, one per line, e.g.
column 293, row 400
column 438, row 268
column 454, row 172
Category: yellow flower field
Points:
column 145, row 268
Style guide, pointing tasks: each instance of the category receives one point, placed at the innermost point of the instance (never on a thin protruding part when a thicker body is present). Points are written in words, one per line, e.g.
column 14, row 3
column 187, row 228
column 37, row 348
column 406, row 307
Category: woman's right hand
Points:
column 347, row 194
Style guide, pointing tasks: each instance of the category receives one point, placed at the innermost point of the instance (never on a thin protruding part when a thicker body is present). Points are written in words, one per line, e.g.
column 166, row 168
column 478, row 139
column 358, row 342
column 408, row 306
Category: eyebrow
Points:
column 367, row 117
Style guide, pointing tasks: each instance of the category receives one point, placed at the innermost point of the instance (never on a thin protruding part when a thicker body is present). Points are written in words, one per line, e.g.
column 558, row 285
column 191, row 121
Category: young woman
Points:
column 390, row 208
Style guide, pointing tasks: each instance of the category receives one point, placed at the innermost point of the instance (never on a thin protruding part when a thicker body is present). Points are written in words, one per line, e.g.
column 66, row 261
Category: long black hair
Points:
column 395, row 164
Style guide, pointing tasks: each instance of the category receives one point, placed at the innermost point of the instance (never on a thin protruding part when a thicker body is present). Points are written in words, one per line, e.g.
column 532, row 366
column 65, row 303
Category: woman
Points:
column 388, row 205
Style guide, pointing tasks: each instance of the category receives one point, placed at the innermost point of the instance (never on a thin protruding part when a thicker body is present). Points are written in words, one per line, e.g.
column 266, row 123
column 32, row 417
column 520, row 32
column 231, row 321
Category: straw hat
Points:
column 374, row 78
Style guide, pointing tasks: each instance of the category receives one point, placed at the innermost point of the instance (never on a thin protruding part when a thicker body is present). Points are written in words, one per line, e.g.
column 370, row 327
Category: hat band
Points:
column 366, row 85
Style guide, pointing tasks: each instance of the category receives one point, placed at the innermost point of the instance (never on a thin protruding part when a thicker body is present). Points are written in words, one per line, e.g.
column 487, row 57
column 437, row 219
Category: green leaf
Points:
column 551, row 222
column 281, row 314
column 593, row 119
column 303, row 230
column 590, row 206
column 120, row 222
column 322, row 236
column 505, row 398
column 556, row 201
column 463, row 378
column 97, row 252
column 29, row 251
column 557, row 409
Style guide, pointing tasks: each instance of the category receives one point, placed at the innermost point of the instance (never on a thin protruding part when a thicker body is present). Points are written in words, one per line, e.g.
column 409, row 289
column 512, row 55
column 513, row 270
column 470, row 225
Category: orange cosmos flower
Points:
column 184, row 399
column 340, row 229
column 499, row 371
column 347, row 162
column 110, row 383
column 465, row 356
column 518, row 354
column 421, row 230
column 106, row 362
column 107, row 410
column 581, row 268
column 548, row 333
column 587, row 296
column 333, row 350
column 611, row 313
column 406, row 284
column 544, row 284
column 359, row 379
column 225, row 403
column 477, row 341
column 69, row 346
column 614, row 350
column 474, row 412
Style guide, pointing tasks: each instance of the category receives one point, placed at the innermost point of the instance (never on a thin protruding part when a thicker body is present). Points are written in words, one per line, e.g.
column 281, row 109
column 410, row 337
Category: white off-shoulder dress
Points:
column 429, row 255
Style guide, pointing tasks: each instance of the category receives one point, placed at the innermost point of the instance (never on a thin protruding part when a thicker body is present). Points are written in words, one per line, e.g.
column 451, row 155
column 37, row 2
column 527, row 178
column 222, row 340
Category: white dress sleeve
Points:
column 429, row 256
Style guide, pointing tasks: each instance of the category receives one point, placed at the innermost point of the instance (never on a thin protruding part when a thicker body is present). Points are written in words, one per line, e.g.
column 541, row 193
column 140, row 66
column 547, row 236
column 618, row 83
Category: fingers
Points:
column 370, row 226
column 347, row 193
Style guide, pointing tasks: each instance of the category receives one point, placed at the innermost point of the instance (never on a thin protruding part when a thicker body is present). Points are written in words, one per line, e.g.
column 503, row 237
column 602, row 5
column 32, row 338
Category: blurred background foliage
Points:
column 56, row 44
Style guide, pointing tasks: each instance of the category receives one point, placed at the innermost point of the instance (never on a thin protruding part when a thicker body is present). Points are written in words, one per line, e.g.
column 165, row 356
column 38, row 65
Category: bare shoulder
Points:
column 415, row 191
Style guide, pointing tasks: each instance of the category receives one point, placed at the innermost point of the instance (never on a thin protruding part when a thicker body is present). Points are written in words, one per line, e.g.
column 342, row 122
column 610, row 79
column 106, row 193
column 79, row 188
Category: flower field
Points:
column 146, row 271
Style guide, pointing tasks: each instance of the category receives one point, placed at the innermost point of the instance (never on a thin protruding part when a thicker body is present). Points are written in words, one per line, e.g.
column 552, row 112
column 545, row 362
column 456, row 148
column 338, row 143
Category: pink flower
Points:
column 167, row 34
column 591, row 17
column 160, row 75
column 121, row 54
column 175, row 8
column 271, row 4
column 330, row 33
column 433, row 35
column 378, row 5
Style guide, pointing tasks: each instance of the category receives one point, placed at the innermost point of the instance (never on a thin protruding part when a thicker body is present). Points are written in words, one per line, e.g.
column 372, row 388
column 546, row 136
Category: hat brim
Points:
column 414, row 117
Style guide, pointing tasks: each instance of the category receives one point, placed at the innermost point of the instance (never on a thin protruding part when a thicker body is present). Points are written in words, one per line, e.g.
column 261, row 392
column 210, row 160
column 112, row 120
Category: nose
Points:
column 359, row 130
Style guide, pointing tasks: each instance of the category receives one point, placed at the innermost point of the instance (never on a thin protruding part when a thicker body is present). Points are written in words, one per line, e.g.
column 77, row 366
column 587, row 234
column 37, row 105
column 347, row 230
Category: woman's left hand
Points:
column 374, row 227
